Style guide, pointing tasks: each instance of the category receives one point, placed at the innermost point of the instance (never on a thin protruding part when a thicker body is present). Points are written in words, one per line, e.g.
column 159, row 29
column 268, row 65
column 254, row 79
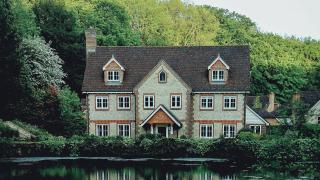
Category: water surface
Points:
column 144, row 169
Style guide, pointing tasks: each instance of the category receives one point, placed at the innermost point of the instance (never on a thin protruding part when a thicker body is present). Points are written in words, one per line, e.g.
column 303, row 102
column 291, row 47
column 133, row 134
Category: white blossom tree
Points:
column 40, row 66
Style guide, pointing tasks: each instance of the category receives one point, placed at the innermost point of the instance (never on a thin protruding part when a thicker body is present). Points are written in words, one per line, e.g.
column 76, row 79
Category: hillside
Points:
column 42, row 49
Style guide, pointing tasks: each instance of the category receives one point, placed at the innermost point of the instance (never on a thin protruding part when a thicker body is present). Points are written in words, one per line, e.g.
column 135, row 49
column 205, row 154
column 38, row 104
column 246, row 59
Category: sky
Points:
column 300, row 18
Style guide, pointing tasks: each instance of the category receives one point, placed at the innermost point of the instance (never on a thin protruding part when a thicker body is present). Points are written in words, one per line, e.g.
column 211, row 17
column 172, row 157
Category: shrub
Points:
column 310, row 130
column 248, row 136
column 6, row 131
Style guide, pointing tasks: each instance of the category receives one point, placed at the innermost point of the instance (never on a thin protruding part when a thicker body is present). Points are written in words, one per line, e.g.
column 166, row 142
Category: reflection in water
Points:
column 106, row 170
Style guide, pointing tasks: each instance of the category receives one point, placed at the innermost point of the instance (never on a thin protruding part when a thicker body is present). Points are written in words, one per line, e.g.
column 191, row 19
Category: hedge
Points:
column 279, row 152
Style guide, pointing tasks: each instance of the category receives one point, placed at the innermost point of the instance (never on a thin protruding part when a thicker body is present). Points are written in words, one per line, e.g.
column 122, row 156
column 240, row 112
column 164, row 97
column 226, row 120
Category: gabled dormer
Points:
column 113, row 72
column 218, row 71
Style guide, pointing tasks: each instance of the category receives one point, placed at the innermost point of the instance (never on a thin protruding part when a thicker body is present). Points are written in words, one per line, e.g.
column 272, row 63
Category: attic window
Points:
column 218, row 75
column 113, row 76
column 162, row 77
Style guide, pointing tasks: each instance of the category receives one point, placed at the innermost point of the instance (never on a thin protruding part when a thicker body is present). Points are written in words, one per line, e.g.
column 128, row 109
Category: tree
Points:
column 8, row 61
column 71, row 115
column 40, row 66
column 59, row 26
column 282, row 79
column 39, row 77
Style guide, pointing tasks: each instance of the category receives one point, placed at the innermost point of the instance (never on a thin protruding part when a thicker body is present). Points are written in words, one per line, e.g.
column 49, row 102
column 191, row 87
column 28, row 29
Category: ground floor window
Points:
column 229, row 130
column 255, row 128
column 124, row 130
column 206, row 130
column 318, row 119
column 102, row 129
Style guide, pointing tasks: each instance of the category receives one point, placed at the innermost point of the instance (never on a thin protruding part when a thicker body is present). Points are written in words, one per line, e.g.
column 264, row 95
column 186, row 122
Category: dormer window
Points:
column 218, row 71
column 162, row 77
column 218, row 75
column 113, row 76
column 113, row 72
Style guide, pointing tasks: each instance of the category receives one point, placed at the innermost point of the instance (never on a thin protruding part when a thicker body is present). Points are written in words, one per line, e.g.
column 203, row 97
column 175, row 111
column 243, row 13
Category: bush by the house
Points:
column 6, row 131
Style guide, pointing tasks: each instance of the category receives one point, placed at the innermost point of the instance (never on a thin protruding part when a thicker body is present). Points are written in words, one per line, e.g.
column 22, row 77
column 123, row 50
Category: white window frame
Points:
column 228, row 134
column 122, row 133
column 206, row 133
column 113, row 76
column 206, row 98
column 220, row 73
column 165, row 77
column 255, row 128
column 174, row 98
column 104, row 132
column 102, row 104
column 230, row 98
column 149, row 101
column 124, row 102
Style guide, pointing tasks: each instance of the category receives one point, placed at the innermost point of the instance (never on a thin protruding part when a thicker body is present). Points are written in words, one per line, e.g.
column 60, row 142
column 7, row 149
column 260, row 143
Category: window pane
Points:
column 203, row 131
column 162, row 77
column 116, row 75
column 258, row 129
column 215, row 75
column 221, row 74
column 225, row 130
column 209, row 131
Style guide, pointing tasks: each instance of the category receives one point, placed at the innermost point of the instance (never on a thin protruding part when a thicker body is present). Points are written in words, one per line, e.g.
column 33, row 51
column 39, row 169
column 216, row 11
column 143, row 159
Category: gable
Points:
column 173, row 80
column 113, row 64
column 161, row 116
column 218, row 63
column 253, row 118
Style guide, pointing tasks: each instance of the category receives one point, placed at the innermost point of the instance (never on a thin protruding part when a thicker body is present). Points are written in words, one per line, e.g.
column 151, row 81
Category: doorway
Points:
column 162, row 130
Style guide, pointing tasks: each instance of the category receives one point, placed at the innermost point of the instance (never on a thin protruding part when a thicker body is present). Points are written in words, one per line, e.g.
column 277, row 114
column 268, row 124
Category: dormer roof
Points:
column 221, row 60
column 113, row 60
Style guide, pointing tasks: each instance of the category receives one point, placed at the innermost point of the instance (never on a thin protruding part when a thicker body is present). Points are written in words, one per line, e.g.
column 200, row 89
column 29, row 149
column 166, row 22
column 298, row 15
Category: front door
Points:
column 162, row 130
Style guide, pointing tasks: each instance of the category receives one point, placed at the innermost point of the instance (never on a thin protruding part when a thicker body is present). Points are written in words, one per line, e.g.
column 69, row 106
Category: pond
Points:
column 134, row 169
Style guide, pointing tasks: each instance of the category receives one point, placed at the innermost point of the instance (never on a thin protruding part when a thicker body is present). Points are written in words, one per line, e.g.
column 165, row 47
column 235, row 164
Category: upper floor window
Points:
column 229, row 130
column 175, row 101
column 206, row 131
column 124, row 130
column 206, row 102
column 318, row 119
column 255, row 128
column 113, row 76
column 230, row 102
column 148, row 101
column 123, row 102
column 162, row 77
column 102, row 129
column 101, row 102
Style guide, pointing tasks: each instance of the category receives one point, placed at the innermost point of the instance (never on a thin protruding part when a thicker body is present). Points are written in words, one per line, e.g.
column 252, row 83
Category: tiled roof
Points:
column 310, row 97
column 189, row 62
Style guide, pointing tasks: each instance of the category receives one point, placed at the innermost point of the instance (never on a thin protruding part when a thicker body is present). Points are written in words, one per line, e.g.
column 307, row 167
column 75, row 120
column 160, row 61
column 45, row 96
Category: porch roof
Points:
column 161, row 116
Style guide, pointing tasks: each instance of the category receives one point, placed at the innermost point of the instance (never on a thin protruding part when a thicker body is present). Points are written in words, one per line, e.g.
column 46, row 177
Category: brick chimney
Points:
column 91, row 41
column 271, row 105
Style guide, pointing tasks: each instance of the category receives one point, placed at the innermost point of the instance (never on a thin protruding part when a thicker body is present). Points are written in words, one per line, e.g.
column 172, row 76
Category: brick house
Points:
column 193, row 91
